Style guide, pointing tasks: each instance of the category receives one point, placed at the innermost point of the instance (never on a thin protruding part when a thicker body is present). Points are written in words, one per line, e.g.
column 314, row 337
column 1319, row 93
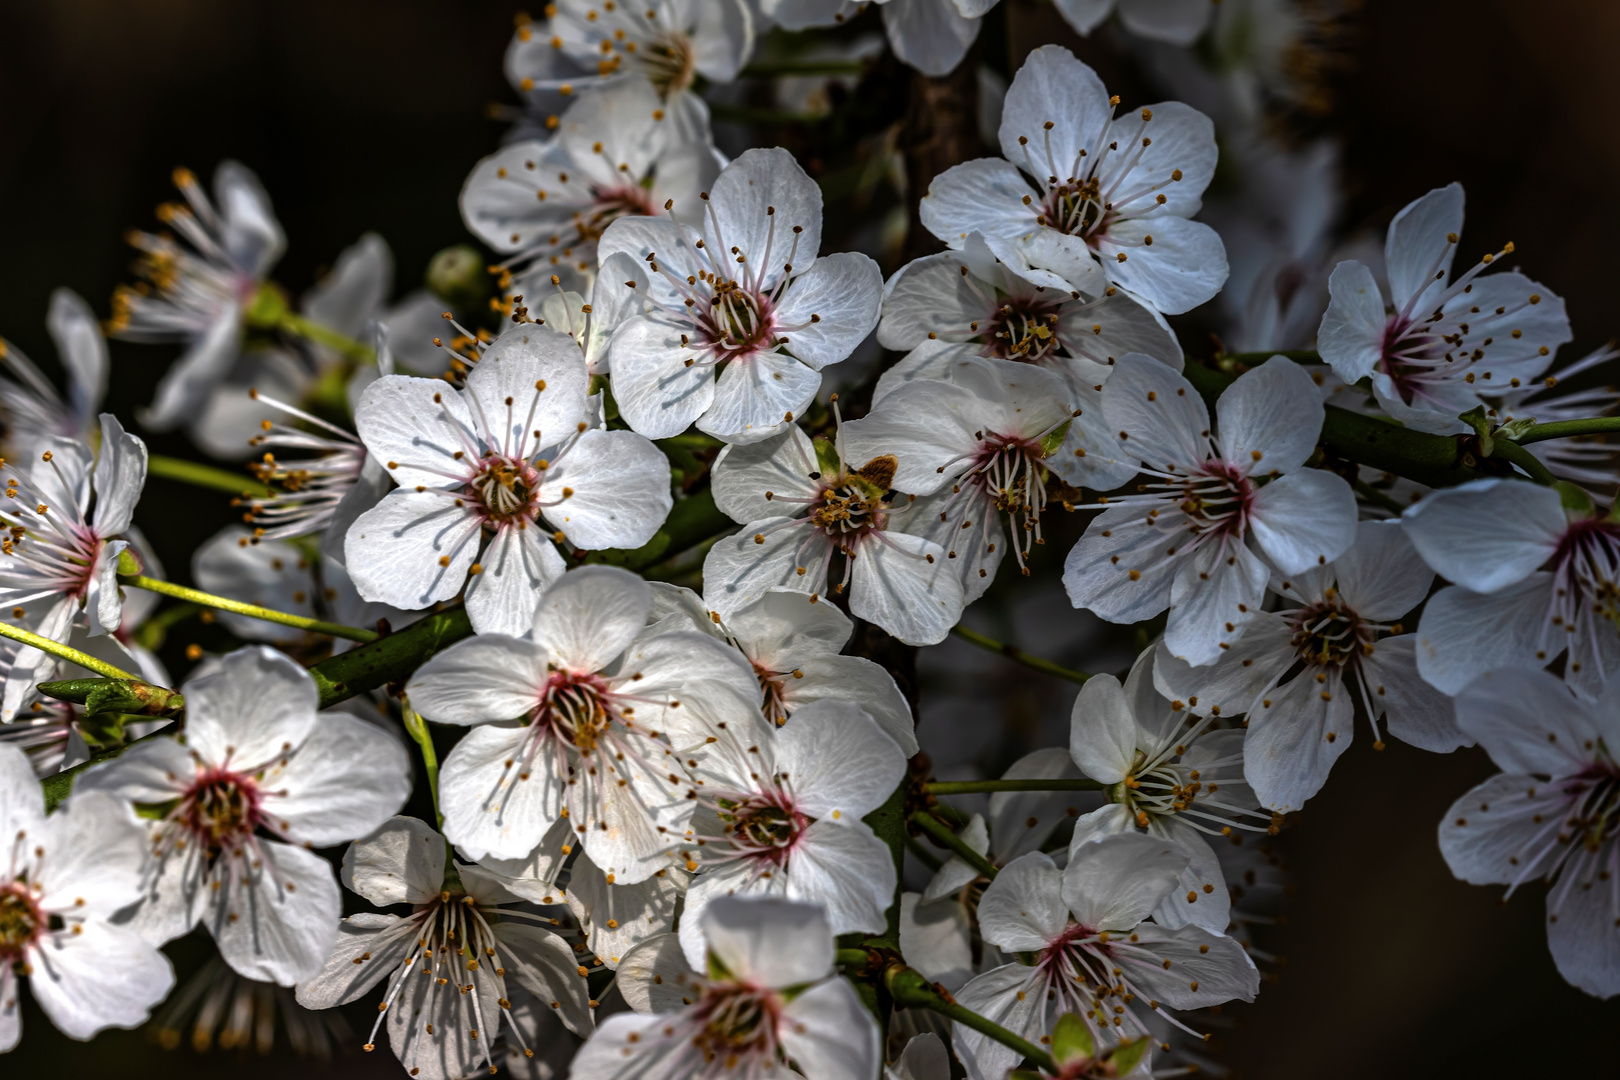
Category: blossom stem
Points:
column 912, row 990
column 1017, row 655
column 72, row 655
column 1376, row 497
column 199, row 475
column 1510, row 451
column 309, row 330
column 417, row 729
column 985, row 787
column 941, row 834
column 252, row 611
column 1299, row 356
column 1564, row 429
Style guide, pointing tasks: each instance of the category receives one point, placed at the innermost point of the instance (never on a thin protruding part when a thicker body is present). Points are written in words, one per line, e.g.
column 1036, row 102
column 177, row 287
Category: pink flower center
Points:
column 1076, row 207
column 628, row 200
column 221, row 806
column 1329, row 634
column 21, row 921
column 505, row 489
column 575, row 708
column 1218, row 501
column 737, row 1026
column 1023, row 329
column 763, row 825
column 1586, row 574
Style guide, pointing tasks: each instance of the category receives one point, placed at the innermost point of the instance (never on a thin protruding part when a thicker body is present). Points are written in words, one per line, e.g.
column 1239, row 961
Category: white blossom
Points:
column 768, row 996
column 1093, row 952
column 1082, row 198
column 1442, row 345
column 452, row 967
column 259, row 779
column 65, row 524
column 66, row 877
column 1184, row 541
column 577, row 722
column 1298, row 673
column 745, row 295
column 492, row 477
column 1177, row 22
column 802, row 507
column 1533, row 578
column 1553, row 812
column 32, row 410
column 780, row 814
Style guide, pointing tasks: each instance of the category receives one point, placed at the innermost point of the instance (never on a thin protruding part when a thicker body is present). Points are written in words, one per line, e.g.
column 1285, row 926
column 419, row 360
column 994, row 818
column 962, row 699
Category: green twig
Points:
column 417, row 729
column 912, row 990
column 1376, row 497
column 252, row 611
column 1534, row 467
column 1566, row 429
column 199, row 475
column 942, row 835
column 990, row 787
column 1017, row 655
column 65, row 652
column 803, row 67
column 310, row 330
column 1299, row 356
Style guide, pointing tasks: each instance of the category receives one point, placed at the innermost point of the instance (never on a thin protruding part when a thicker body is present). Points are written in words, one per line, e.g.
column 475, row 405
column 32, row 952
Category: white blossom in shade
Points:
column 576, row 722
column 924, row 1058
column 281, row 576
column 1299, row 672
column 968, row 297
column 780, row 814
column 1094, row 953
column 768, row 996
column 1082, row 198
column 32, row 410
column 1535, row 574
column 66, row 876
column 1170, row 773
column 259, row 780
column 745, row 295
column 1177, row 22
column 544, row 205
column 618, row 294
column 64, row 523
column 199, row 291
column 1441, row 346
column 492, row 477
column 450, row 969
column 1184, row 542
column 1586, row 462
column 802, row 509
column 1553, row 812
column 319, row 494
column 794, row 644
column 972, row 449
column 669, row 43
column 929, row 35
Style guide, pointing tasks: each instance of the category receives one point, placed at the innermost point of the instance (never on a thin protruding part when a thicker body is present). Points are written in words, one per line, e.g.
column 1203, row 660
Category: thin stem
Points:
column 912, row 990
column 252, row 611
column 1299, row 356
column 1533, row 466
column 199, row 475
column 941, row 834
column 1564, row 429
column 310, row 330
column 1017, row 655
column 990, row 787
column 926, row 857
column 1376, row 497
column 417, row 729
column 65, row 652
column 852, row 957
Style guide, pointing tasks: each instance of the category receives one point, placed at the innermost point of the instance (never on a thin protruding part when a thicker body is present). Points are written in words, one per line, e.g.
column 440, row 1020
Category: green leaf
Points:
column 1128, row 1055
column 103, row 731
column 1574, row 498
column 1071, row 1040
column 1054, row 438
column 1476, row 419
column 128, row 696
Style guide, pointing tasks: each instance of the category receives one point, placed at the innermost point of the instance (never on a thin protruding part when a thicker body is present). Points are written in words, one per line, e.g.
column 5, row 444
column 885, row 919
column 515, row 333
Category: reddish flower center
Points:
column 21, row 921
column 221, row 806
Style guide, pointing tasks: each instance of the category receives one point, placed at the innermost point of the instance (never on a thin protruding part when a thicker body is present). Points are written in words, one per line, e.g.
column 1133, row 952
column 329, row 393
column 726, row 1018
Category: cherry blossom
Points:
column 1445, row 344
column 492, row 477
column 1299, row 672
column 745, row 295
column 450, row 968
column 1553, row 812
column 1184, row 541
column 32, row 409
column 260, row 779
column 66, row 878
column 768, row 996
column 577, row 721
column 1535, row 576
column 1082, row 198
column 1178, row 22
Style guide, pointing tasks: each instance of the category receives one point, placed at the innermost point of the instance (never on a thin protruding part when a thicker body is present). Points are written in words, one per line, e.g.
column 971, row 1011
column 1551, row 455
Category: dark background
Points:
column 367, row 115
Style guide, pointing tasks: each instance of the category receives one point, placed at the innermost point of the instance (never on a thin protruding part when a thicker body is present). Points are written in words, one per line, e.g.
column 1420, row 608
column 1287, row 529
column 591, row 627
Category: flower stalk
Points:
column 990, row 787
column 252, row 611
column 68, row 653
column 417, row 729
column 911, row 990
column 942, row 835
column 1019, row 656
column 205, row 476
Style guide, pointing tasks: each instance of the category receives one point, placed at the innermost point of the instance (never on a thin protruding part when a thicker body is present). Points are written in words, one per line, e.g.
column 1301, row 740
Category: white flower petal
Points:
column 400, row 862
column 610, row 490
column 1116, row 882
column 1351, row 338
column 252, row 707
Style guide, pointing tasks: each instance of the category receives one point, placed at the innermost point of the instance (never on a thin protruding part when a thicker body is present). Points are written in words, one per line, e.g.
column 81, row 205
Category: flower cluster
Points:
column 592, row 523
